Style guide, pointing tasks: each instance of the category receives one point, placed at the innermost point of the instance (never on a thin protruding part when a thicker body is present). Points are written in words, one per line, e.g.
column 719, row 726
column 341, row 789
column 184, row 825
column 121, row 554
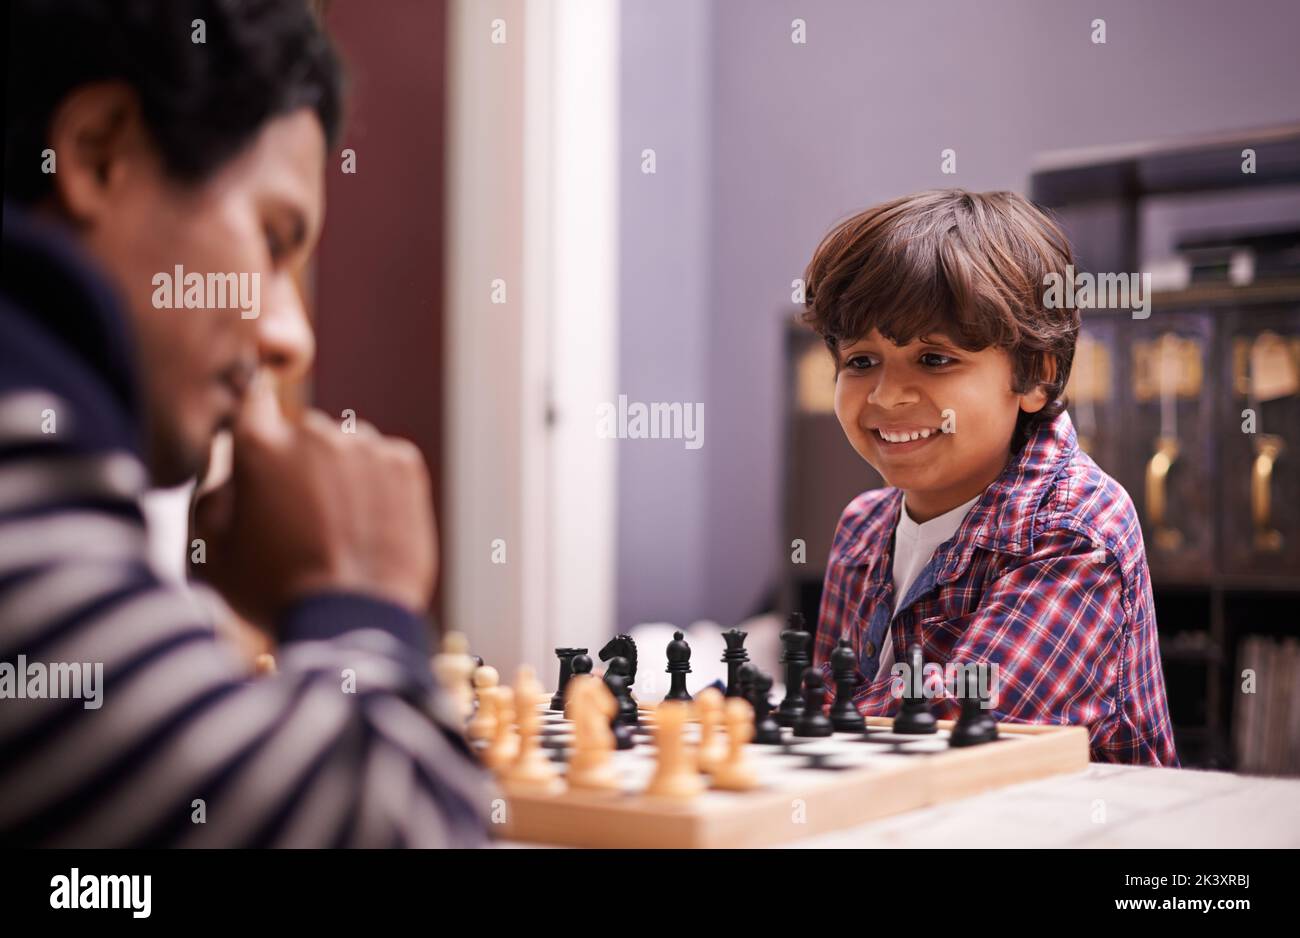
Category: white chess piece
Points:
column 484, row 724
column 676, row 775
column 505, row 741
column 736, row 773
column 713, row 748
column 592, row 706
column 532, row 772
column 453, row 668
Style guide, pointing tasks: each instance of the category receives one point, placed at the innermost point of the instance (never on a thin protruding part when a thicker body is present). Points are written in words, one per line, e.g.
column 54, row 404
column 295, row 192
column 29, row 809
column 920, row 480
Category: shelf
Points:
column 1191, row 655
column 1218, row 294
column 1230, row 583
column 1194, row 164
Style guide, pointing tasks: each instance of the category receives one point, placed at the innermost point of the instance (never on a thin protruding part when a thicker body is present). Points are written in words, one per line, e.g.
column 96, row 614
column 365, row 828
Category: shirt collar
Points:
column 51, row 279
column 935, row 531
column 1003, row 519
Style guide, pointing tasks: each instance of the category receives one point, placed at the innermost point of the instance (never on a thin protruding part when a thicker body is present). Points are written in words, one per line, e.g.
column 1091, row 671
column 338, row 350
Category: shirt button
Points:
column 870, row 649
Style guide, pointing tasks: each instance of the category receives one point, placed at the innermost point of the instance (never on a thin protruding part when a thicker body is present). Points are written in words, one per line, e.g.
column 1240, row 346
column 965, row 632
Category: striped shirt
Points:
column 124, row 719
column 1046, row 578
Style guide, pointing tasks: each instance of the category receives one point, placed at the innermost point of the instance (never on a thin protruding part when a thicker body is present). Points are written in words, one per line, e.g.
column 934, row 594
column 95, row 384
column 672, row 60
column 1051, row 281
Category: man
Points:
column 159, row 154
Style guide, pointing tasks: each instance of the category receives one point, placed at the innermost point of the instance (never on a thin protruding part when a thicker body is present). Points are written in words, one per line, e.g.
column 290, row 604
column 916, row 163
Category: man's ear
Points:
column 96, row 134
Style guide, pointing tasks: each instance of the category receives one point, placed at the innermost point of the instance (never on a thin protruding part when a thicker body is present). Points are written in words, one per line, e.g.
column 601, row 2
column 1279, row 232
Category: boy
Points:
column 998, row 542
column 211, row 156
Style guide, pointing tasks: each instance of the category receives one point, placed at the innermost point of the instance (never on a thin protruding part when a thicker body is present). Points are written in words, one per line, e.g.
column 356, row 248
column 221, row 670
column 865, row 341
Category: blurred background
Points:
column 561, row 203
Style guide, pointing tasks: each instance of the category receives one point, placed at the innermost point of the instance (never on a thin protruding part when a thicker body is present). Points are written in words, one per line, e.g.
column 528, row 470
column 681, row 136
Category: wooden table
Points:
column 1104, row 806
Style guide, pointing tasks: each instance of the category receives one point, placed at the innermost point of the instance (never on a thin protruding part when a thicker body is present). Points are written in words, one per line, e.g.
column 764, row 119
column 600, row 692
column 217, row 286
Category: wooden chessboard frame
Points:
column 832, row 800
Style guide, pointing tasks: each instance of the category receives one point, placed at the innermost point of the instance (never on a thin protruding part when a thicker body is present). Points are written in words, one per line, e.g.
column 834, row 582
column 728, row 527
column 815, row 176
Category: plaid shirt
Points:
column 1046, row 578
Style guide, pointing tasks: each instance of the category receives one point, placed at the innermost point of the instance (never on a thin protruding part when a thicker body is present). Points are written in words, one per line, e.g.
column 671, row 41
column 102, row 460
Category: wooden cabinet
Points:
column 1093, row 394
column 1171, row 451
column 1260, row 433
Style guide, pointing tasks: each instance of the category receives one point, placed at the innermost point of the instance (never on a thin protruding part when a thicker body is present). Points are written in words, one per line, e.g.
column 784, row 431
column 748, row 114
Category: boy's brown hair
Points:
column 969, row 265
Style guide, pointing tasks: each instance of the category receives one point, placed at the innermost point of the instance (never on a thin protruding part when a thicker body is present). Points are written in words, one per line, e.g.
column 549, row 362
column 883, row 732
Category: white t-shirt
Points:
column 914, row 545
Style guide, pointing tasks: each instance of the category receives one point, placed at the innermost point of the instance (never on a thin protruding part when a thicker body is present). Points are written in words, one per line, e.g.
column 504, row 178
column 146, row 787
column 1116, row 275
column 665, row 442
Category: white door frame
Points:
column 532, row 202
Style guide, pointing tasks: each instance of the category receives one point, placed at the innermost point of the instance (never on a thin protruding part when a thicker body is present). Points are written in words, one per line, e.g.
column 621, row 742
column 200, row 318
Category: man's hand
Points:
column 309, row 508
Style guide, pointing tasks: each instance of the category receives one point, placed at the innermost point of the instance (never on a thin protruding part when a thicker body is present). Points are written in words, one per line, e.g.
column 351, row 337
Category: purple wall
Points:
column 664, row 296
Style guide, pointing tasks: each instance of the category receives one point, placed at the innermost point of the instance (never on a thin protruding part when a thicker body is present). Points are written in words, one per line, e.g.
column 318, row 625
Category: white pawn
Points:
column 676, row 775
column 592, row 706
column 713, row 749
column 736, row 773
column 484, row 724
column 453, row 668
column 505, row 741
column 532, row 772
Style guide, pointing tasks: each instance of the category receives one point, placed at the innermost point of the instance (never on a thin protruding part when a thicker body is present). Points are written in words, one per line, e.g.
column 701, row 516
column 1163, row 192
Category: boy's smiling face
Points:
column 885, row 393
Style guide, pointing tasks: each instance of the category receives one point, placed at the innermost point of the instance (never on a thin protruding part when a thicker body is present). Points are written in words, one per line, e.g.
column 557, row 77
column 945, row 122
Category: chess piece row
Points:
column 974, row 726
column 804, row 708
column 796, row 642
column 507, row 729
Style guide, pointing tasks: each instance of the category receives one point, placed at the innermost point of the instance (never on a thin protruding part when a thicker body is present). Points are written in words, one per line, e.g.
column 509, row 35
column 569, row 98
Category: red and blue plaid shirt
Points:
column 1046, row 577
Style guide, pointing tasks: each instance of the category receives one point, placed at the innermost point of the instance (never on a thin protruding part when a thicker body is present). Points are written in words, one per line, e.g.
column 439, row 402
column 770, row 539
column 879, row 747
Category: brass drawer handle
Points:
column 1267, row 450
column 1157, row 474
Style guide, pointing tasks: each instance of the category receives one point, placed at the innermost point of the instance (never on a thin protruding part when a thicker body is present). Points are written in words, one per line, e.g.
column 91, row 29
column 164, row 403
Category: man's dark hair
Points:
column 202, row 102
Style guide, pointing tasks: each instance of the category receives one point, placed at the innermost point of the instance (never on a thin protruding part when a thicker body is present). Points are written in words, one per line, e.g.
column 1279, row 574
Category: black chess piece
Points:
column 915, row 718
column 622, row 646
column 845, row 717
column 813, row 722
column 566, row 656
column 744, row 684
column 624, row 735
column 976, row 725
column 618, row 680
column 679, row 665
column 795, row 641
column 767, row 731
column 733, row 658
column 580, row 665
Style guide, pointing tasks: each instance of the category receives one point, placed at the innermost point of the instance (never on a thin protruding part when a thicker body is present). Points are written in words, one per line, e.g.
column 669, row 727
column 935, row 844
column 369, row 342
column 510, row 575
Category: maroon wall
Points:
column 378, row 284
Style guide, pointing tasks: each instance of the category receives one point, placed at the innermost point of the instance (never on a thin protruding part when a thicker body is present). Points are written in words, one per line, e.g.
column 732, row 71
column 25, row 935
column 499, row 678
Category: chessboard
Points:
column 807, row 786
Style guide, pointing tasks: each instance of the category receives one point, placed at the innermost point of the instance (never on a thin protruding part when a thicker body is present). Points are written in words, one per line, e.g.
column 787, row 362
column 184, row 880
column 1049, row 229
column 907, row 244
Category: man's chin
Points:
column 175, row 463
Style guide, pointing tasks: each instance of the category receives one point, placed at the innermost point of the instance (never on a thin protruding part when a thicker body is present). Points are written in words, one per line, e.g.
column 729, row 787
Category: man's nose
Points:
column 286, row 344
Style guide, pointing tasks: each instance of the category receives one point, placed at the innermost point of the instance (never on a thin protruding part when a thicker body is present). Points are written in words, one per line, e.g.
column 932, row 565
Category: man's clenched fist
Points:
column 309, row 508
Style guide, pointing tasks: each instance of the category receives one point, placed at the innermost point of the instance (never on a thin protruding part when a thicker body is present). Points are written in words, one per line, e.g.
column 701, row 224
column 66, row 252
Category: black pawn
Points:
column 813, row 722
column 566, row 656
column 767, row 731
column 579, row 664
column 617, row 679
column 915, row 717
column 733, row 658
column 744, row 683
column 624, row 735
column 795, row 641
column 679, row 665
column 844, row 666
column 975, row 726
